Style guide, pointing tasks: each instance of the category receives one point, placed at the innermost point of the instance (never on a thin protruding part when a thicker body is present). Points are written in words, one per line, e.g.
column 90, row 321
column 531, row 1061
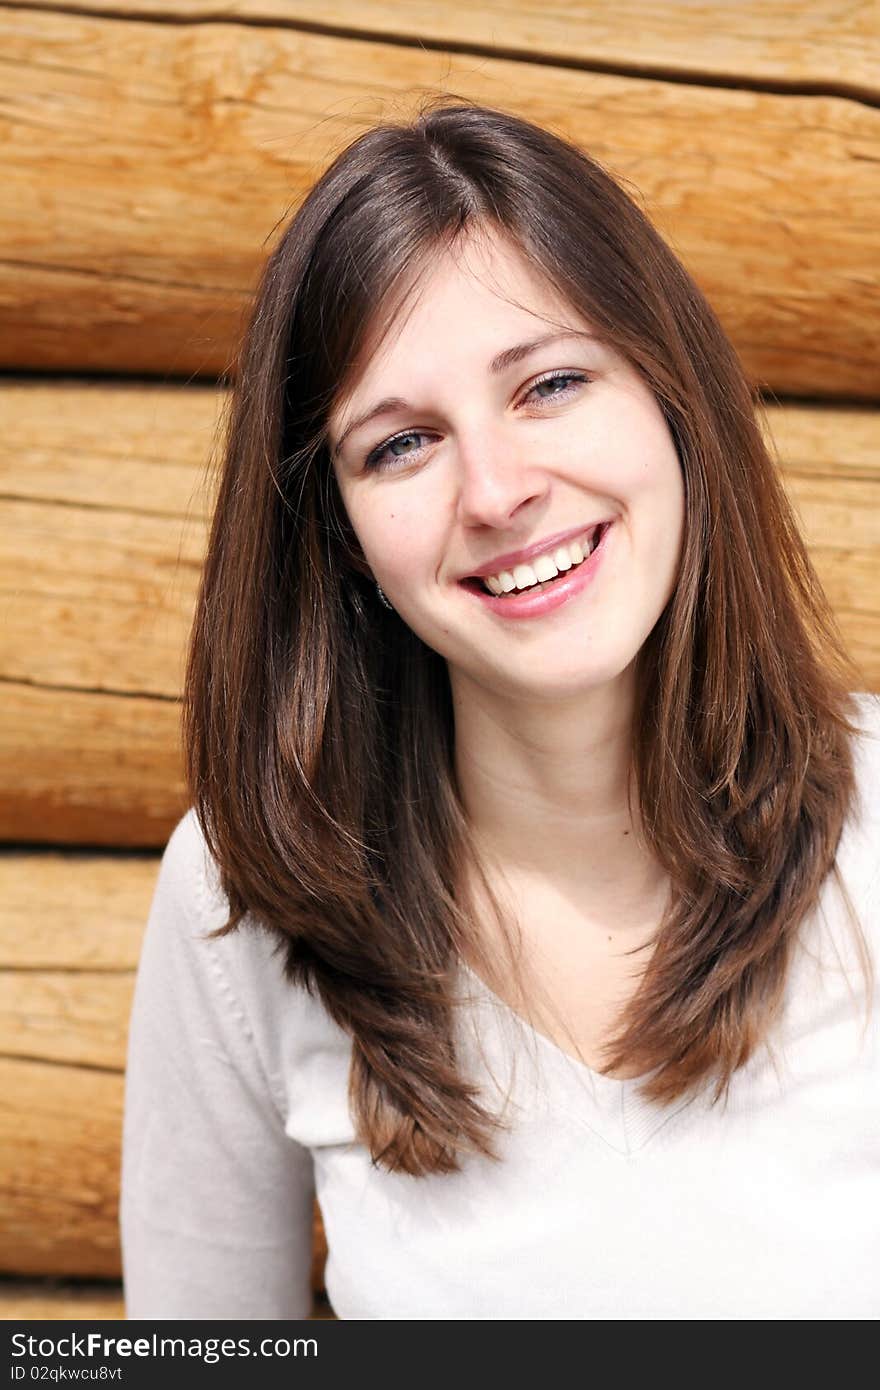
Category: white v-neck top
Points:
column 604, row 1205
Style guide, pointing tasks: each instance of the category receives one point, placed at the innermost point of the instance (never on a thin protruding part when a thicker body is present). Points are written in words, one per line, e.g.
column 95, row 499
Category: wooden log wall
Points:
column 191, row 141
column 148, row 163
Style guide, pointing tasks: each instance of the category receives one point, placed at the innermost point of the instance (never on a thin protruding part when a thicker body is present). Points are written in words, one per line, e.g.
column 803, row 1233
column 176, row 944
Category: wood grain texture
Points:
column 68, row 1016
column 840, row 443
column 144, row 448
column 71, row 927
column 106, row 583
column 80, row 767
column 829, row 462
column 104, row 491
column 92, row 910
column 834, row 43
column 70, row 937
column 60, row 1130
column 149, row 167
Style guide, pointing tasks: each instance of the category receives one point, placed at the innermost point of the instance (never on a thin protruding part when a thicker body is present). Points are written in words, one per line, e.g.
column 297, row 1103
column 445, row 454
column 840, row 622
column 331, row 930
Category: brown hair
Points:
column 318, row 727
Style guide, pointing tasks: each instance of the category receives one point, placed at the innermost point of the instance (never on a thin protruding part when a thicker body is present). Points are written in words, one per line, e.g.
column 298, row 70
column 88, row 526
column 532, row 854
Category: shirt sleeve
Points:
column 216, row 1200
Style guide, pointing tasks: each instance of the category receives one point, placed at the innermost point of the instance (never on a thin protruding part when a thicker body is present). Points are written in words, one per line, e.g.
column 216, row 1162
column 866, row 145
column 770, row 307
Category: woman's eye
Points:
column 410, row 442
column 553, row 379
column 382, row 455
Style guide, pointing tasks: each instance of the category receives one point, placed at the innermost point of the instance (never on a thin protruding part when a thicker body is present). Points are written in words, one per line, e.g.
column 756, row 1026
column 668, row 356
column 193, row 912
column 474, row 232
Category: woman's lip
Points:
column 531, row 552
column 536, row 601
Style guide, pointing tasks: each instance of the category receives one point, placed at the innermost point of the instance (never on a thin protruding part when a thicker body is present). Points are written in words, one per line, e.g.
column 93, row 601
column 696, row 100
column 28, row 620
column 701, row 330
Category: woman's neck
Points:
column 544, row 788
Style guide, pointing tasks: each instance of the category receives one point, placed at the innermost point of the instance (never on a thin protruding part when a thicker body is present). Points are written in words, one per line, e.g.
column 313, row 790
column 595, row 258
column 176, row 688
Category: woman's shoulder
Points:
column 188, row 907
column 187, row 868
column 303, row 1053
column 192, row 905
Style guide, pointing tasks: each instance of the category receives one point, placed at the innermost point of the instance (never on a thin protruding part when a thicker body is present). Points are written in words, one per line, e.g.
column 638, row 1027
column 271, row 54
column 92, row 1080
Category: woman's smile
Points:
column 529, row 592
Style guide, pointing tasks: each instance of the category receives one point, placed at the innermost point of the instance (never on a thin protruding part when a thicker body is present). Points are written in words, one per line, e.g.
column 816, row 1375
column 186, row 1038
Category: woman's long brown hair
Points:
column 318, row 727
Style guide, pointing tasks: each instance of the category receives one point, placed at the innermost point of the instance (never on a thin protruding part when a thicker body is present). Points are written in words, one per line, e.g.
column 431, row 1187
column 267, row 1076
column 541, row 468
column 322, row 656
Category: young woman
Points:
column 527, row 907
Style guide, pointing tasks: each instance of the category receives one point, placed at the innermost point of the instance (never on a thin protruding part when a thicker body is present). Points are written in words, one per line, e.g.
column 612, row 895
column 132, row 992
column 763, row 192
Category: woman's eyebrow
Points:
column 511, row 355
column 390, row 406
column 500, row 363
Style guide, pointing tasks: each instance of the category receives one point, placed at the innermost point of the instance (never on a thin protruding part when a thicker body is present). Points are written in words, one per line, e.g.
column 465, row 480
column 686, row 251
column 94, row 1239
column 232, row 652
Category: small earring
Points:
column 383, row 598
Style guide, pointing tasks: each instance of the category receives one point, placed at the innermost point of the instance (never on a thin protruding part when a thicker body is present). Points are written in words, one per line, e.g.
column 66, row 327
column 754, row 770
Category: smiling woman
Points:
column 535, row 812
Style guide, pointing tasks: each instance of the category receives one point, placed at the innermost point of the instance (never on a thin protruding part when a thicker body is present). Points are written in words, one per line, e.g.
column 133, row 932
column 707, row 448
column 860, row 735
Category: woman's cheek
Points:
column 401, row 539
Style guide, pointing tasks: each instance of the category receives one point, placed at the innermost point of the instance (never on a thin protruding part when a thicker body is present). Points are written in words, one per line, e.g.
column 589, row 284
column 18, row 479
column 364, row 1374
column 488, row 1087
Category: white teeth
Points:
column 543, row 568
column 524, row 576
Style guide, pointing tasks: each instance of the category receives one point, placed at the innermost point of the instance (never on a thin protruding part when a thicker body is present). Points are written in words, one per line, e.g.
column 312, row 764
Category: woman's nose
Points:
column 495, row 478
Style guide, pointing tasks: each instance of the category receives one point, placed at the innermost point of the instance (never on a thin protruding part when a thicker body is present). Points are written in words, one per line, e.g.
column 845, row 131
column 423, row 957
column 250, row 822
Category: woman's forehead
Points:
column 497, row 264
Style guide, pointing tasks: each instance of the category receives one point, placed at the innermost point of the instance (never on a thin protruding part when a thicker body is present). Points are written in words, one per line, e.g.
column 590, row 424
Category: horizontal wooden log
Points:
column 59, row 1169
column 67, row 963
column 60, row 317
column 143, row 448
column 73, row 911
column 192, row 143
column 70, row 939
column 67, row 1016
column 103, row 499
column 831, row 43
column 106, row 583
column 840, row 443
column 80, row 767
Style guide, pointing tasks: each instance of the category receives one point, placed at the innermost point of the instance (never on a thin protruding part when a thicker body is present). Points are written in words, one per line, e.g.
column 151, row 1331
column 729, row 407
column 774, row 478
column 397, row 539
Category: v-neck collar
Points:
column 568, row 1089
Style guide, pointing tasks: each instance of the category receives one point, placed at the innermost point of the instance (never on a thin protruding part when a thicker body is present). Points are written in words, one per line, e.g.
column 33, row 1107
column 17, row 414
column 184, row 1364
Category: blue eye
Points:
column 553, row 380
column 395, row 448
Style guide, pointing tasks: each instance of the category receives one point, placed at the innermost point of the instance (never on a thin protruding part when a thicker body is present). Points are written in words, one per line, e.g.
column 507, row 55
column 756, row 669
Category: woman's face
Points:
column 476, row 458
